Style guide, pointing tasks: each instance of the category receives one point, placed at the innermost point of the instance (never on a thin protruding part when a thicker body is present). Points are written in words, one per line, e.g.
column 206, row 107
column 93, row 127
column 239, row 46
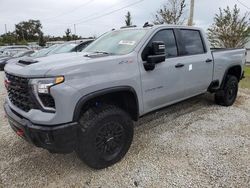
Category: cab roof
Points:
column 153, row 27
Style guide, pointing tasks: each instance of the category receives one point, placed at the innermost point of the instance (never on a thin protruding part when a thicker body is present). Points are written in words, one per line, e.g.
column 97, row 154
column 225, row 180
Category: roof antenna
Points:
column 148, row 25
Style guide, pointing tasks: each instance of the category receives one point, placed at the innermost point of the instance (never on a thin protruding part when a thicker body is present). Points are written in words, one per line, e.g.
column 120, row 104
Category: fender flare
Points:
column 226, row 73
column 86, row 98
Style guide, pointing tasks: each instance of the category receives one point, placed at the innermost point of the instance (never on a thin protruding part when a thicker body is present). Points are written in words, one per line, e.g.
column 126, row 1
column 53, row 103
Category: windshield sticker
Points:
column 127, row 42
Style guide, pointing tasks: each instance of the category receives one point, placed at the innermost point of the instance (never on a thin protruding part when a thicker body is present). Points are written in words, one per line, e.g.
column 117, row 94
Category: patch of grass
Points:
column 245, row 83
column 247, row 70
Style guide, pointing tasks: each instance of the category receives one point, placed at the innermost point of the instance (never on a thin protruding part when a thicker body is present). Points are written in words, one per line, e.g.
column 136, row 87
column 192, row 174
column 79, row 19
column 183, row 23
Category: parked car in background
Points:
column 8, row 53
column 82, row 45
column 67, row 47
column 7, row 59
column 71, row 46
column 43, row 52
column 12, row 50
column 34, row 46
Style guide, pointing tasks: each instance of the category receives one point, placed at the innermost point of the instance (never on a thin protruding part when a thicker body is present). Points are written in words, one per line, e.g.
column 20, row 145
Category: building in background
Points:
column 248, row 51
column 51, row 43
column 34, row 45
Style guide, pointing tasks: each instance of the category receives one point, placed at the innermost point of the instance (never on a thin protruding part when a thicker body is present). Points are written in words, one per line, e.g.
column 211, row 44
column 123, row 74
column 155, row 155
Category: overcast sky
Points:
column 89, row 15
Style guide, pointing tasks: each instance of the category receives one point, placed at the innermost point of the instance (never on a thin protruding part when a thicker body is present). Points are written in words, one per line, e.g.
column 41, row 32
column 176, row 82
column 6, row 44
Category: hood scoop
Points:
column 27, row 61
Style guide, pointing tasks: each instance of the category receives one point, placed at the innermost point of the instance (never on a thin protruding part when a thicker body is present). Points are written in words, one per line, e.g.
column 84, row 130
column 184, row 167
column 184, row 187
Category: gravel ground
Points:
column 192, row 144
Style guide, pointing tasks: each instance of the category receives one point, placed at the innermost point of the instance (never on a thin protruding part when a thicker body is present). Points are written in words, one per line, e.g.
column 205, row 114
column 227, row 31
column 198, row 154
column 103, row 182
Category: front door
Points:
column 163, row 85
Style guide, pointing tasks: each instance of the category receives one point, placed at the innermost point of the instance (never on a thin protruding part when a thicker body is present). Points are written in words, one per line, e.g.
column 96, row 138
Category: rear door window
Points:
column 192, row 41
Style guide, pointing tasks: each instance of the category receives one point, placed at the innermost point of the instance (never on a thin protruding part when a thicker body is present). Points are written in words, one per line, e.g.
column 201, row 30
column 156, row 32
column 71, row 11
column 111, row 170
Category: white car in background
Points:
column 12, row 50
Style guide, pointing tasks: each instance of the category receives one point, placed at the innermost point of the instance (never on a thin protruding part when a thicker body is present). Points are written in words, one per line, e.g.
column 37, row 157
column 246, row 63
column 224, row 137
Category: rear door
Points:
column 196, row 62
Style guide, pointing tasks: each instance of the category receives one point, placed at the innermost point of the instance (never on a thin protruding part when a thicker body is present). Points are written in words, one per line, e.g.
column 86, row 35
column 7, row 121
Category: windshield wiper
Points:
column 97, row 53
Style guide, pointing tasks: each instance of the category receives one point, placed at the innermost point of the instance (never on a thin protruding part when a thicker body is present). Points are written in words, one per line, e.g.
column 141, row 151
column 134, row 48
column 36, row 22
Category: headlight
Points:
column 41, row 90
column 43, row 85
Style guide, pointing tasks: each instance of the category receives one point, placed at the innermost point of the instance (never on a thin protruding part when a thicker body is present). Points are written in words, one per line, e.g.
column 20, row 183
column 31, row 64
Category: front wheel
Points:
column 105, row 137
column 228, row 94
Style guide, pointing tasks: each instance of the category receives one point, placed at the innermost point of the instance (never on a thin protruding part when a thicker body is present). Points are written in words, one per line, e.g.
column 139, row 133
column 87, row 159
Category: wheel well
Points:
column 235, row 71
column 125, row 99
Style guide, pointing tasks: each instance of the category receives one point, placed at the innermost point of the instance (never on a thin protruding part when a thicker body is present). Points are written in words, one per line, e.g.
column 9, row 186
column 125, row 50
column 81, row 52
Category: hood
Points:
column 41, row 67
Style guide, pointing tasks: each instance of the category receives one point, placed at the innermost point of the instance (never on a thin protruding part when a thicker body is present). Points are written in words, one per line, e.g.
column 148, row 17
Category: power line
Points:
column 243, row 4
column 69, row 12
column 109, row 13
column 88, row 18
column 95, row 14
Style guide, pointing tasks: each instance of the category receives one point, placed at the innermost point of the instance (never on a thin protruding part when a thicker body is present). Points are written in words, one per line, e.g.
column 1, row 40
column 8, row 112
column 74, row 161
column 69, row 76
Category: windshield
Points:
column 64, row 48
column 117, row 42
column 43, row 52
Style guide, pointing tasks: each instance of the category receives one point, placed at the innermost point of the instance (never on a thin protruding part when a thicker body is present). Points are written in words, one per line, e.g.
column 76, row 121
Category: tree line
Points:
column 31, row 31
column 229, row 29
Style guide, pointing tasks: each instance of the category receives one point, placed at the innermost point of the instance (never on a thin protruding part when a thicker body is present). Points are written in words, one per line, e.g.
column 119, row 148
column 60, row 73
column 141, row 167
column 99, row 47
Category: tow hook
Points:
column 20, row 133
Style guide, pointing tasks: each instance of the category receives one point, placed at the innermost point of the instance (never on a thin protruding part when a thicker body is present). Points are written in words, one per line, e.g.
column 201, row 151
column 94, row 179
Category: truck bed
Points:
column 225, row 58
column 214, row 50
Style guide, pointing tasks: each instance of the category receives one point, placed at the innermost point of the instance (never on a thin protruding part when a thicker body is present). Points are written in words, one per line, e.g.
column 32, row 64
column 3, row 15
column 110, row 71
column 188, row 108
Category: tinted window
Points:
column 64, row 48
column 192, row 42
column 166, row 36
column 81, row 46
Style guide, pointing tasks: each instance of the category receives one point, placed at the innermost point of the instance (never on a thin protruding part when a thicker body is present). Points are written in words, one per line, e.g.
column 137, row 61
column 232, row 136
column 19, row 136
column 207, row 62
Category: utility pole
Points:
column 191, row 16
column 75, row 30
column 5, row 25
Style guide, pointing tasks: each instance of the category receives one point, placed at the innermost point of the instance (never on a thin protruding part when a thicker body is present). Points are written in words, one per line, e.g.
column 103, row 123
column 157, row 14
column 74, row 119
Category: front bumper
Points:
column 56, row 139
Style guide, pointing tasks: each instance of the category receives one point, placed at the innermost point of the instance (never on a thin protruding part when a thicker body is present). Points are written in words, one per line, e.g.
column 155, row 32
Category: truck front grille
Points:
column 19, row 93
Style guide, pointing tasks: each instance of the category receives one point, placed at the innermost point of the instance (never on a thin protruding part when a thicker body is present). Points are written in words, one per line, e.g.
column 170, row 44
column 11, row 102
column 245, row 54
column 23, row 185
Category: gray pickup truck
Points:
column 86, row 102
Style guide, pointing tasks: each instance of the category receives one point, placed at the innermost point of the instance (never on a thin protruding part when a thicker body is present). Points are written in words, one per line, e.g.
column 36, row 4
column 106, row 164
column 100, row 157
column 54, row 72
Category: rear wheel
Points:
column 105, row 137
column 228, row 94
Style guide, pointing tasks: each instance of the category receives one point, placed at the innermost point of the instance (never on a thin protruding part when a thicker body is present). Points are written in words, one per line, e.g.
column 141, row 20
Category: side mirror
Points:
column 158, row 48
column 158, row 55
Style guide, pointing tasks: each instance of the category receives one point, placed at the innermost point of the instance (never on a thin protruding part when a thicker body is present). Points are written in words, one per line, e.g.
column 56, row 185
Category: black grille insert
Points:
column 47, row 100
column 19, row 93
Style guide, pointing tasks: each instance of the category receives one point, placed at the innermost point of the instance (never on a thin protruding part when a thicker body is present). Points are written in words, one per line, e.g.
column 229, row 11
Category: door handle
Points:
column 179, row 65
column 209, row 61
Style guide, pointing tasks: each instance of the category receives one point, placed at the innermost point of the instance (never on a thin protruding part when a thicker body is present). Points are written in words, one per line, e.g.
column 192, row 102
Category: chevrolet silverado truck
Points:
column 87, row 101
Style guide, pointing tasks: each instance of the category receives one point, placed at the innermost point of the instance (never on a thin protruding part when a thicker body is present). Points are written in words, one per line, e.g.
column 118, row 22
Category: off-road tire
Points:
column 228, row 94
column 103, row 128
